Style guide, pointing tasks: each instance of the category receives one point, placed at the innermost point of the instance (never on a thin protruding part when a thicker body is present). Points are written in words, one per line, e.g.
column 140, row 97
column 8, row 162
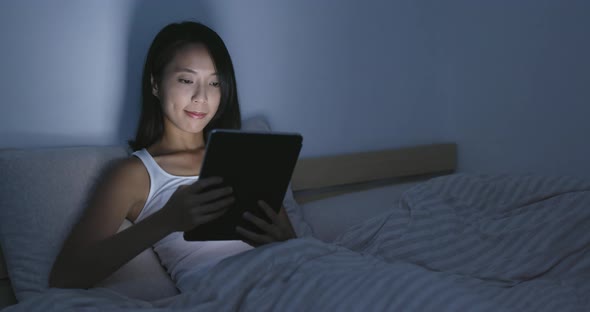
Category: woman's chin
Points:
column 195, row 129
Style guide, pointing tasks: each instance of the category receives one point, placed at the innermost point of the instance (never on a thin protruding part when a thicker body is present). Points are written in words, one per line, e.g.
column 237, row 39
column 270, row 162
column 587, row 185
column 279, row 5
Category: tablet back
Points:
column 258, row 165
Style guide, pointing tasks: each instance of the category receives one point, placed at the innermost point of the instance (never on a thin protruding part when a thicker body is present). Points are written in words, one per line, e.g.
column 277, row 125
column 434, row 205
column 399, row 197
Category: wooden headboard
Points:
column 350, row 172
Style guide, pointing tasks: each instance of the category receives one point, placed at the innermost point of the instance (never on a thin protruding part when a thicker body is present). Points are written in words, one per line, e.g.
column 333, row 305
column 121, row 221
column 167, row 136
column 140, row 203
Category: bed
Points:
column 379, row 231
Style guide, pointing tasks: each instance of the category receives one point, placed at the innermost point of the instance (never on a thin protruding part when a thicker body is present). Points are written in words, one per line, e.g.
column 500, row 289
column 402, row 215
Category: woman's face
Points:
column 189, row 91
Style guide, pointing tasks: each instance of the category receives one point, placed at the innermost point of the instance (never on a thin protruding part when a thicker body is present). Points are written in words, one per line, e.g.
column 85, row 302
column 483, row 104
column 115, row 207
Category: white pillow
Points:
column 42, row 195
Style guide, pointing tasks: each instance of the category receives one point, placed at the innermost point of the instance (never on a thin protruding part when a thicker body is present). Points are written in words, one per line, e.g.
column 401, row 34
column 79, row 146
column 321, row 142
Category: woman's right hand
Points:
column 196, row 204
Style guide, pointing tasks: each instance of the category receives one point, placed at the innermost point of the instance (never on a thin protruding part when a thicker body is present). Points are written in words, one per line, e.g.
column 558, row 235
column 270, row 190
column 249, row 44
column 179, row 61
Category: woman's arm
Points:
column 94, row 249
column 85, row 266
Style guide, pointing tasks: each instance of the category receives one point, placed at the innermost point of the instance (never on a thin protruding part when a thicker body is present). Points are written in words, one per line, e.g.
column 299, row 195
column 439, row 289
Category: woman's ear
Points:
column 154, row 87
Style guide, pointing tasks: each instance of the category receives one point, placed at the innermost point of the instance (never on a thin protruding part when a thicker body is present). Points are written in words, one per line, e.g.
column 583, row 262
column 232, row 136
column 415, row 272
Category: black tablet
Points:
column 258, row 165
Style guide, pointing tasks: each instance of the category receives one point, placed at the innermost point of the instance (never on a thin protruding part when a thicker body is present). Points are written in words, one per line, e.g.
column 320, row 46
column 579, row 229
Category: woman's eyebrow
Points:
column 192, row 71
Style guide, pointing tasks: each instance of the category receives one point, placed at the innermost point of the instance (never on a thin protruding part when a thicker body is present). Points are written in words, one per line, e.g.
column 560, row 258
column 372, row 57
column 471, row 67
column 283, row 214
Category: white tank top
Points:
column 180, row 257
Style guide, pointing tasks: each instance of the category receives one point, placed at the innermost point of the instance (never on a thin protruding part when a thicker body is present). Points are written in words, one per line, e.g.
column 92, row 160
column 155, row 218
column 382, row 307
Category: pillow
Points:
column 332, row 216
column 302, row 229
column 42, row 195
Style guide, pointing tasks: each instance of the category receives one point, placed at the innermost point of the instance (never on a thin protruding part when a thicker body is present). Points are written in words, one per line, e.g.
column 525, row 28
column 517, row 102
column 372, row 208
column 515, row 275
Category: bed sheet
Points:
column 454, row 243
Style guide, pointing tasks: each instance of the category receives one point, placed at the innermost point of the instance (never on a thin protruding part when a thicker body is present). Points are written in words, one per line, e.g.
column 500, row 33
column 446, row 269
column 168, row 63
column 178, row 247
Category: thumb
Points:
column 182, row 187
column 202, row 184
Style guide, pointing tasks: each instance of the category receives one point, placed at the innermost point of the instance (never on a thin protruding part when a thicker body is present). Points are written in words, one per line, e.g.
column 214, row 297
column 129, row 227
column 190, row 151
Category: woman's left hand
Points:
column 280, row 228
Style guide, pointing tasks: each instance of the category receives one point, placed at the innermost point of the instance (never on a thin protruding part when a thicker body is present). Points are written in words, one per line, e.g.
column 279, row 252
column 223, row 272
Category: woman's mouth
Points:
column 197, row 115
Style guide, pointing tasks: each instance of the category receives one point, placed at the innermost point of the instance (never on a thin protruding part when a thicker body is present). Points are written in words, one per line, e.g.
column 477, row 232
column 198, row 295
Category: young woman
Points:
column 188, row 89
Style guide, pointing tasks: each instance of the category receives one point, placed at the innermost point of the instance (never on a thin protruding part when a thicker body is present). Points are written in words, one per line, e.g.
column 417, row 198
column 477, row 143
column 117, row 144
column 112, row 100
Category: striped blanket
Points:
column 455, row 243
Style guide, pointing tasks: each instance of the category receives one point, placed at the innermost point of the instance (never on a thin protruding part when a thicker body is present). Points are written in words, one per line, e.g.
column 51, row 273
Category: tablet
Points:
column 258, row 165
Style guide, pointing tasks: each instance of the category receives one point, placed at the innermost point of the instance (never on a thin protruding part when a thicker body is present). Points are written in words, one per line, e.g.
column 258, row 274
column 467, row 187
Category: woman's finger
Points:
column 272, row 215
column 213, row 206
column 202, row 184
column 246, row 240
column 202, row 219
column 252, row 237
column 251, row 243
column 261, row 224
column 212, row 195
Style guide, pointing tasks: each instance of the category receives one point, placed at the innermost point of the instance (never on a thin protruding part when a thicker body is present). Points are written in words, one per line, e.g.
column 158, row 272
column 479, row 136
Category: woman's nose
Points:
column 199, row 95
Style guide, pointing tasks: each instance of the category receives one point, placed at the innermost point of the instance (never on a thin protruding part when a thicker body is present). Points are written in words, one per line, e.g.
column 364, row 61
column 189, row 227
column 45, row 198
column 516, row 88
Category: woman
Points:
column 188, row 89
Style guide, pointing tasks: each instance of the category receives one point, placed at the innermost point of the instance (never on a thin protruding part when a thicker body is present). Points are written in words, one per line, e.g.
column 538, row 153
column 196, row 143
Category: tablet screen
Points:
column 258, row 165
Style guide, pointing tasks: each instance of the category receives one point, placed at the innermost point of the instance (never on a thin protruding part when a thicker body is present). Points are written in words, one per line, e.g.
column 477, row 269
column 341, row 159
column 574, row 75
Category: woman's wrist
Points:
column 163, row 221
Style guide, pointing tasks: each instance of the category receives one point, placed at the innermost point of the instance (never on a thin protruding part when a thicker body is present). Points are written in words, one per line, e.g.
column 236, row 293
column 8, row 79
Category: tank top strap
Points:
column 157, row 177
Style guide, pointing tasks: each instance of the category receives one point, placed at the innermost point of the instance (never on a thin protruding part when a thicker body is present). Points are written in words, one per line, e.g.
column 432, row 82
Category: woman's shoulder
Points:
column 128, row 169
column 127, row 180
column 126, row 175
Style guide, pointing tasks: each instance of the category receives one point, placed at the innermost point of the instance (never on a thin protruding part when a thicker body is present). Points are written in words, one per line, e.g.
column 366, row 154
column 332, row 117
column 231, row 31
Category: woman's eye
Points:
column 214, row 84
column 185, row 81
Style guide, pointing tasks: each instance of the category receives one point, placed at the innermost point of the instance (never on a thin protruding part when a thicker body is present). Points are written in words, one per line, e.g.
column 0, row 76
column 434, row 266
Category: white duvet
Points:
column 455, row 243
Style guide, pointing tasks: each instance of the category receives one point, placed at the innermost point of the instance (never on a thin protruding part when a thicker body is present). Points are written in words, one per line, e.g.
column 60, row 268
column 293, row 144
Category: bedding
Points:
column 350, row 209
column 460, row 242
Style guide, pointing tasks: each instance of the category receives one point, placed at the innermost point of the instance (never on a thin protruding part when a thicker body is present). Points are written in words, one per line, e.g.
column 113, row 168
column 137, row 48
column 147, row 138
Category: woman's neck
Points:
column 188, row 142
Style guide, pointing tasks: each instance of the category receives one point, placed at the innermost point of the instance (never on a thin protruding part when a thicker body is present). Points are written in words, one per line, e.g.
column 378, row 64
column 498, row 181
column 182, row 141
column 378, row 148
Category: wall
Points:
column 61, row 81
column 72, row 70
column 349, row 76
column 505, row 80
column 515, row 76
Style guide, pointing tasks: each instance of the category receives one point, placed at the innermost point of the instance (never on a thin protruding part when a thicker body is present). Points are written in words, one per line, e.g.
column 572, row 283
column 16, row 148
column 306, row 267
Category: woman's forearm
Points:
column 87, row 266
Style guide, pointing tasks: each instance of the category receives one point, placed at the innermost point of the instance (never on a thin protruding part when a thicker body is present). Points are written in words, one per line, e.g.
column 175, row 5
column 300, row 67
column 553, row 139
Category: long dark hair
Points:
column 166, row 44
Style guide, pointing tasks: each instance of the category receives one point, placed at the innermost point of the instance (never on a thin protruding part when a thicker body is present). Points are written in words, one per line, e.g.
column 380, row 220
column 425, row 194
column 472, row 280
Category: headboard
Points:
column 320, row 177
